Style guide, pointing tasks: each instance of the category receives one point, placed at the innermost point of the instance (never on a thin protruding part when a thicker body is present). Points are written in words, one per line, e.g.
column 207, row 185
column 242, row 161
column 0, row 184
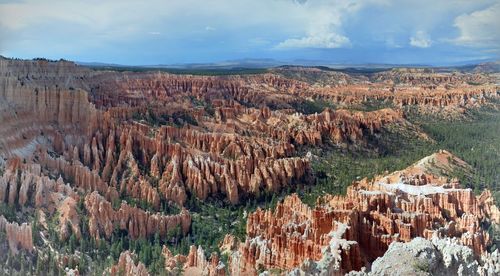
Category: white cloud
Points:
column 85, row 27
column 299, row 23
column 326, row 40
column 322, row 24
column 421, row 40
column 480, row 28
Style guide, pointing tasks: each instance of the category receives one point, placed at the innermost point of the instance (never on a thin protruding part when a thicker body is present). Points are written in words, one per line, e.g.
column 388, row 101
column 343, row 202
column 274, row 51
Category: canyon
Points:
column 237, row 151
column 107, row 156
column 230, row 142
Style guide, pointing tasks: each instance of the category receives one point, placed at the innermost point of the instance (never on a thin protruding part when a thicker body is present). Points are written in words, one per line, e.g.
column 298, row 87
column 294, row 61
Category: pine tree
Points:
column 38, row 264
column 22, row 261
column 72, row 243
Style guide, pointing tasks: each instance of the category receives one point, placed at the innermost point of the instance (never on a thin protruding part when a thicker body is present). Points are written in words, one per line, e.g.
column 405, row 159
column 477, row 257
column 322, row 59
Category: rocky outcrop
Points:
column 345, row 233
column 435, row 257
column 195, row 263
column 127, row 266
column 137, row 222
column 69, row 220
column 19, row 237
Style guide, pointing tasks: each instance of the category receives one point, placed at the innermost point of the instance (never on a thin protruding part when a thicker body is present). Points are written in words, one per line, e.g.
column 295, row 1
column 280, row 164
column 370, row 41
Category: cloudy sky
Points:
column 187, row 31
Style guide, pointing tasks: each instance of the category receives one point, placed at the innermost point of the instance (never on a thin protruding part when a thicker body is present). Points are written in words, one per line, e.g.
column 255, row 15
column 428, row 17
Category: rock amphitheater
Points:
column 72, row 136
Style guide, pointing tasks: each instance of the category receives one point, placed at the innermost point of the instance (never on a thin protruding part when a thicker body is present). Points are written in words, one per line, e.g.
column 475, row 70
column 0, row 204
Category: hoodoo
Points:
column 144, row 172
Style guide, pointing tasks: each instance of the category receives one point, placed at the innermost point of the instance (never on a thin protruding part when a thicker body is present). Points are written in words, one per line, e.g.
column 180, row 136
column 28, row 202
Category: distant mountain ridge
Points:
column 476, row 66
column 479, row 67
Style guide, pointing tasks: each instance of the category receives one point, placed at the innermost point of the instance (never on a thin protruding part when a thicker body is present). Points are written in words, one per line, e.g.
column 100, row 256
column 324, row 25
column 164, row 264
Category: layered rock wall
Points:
column 51, row 116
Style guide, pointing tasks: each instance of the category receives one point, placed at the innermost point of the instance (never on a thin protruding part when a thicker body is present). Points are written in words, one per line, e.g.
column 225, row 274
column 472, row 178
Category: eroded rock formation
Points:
column 127, row 266
column 19, row 237
column 195, row 263
column 42, row 115
column 157, row 136
column 137, row 222
column 25, row 185
column 344, row 233
column 425, row 89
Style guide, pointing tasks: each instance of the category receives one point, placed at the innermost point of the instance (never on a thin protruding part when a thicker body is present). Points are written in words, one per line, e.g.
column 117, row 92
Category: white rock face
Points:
column 330, row 262
column 433, row 257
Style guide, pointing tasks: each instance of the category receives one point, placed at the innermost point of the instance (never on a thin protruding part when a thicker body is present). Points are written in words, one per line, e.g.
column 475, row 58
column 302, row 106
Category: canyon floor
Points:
column 282, row 171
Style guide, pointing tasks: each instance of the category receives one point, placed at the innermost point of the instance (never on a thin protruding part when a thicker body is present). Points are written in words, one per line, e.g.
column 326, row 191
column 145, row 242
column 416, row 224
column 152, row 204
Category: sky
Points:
column 148, row 32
